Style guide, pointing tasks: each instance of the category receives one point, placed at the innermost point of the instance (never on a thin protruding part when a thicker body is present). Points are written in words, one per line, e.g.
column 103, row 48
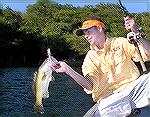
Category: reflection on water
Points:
column 67, row 99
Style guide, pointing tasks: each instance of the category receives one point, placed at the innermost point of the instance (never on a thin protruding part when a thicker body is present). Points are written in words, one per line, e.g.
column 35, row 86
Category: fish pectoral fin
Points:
column 39, row 108
column 46, row 94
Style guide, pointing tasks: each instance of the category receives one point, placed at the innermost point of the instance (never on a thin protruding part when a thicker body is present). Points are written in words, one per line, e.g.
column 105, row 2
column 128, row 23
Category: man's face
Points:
column 93, row 36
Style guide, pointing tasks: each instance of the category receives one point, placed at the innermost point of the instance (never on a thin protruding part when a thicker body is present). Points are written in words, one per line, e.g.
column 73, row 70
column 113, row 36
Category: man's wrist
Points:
column 135, row 30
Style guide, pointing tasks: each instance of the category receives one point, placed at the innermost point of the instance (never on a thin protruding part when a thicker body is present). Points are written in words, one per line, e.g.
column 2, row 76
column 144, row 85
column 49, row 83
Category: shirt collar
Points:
column 105, row 49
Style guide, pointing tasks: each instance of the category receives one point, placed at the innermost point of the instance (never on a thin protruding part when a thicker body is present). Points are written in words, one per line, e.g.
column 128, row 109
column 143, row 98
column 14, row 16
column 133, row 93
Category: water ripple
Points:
column 17, row 99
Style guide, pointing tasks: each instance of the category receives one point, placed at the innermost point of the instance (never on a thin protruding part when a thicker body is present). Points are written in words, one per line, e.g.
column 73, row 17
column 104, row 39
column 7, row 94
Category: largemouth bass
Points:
column 42, row 79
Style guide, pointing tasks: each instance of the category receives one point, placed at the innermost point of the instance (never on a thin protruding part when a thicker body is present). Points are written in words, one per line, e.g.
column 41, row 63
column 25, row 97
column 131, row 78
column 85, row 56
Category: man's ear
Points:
column 99, row 28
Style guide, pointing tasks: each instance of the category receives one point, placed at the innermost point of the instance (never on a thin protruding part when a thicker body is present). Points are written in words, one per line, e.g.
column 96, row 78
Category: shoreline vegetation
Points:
column 25, row 37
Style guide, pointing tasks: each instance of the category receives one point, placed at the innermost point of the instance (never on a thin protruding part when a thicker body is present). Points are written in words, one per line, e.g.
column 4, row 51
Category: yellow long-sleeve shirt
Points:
column 111, row 68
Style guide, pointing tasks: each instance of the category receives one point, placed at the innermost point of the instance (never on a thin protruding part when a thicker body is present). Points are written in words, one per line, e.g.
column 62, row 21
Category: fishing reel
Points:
column 133, row 37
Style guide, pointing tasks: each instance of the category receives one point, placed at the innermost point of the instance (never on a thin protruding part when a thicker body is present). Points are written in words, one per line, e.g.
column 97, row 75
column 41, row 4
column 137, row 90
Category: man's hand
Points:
column 130, row 24
column 61, row 67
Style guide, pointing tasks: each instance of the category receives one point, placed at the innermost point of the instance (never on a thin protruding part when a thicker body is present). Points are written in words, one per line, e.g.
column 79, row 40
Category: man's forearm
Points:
column 146, row 45
column 143, row 42
column 79, row 78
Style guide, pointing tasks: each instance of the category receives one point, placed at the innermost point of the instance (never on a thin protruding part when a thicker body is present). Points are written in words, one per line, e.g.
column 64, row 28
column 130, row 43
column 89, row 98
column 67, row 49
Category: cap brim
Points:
column 80, row 32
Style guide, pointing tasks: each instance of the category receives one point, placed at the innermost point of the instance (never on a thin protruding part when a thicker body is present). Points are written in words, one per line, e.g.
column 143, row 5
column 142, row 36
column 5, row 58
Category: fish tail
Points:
column 39, row 108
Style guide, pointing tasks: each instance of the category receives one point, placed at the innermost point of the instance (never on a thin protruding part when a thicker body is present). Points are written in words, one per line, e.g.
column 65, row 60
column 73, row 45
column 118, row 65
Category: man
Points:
column 109, row 73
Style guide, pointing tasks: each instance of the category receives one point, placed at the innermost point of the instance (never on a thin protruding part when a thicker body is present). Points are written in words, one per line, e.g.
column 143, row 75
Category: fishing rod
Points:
column 134, row 38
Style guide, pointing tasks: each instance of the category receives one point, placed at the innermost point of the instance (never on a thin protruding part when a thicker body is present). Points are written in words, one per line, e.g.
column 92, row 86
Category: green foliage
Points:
column 53, row 25
column 143, row 20
column 10, row 22
column 12, row 18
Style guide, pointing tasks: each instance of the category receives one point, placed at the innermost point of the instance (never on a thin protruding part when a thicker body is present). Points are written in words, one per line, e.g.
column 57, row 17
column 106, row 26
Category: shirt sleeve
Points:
column 90, row 71
column 131, row 51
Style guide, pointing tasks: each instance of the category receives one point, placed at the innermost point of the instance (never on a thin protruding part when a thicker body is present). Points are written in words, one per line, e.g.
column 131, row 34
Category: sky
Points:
column 133, row 6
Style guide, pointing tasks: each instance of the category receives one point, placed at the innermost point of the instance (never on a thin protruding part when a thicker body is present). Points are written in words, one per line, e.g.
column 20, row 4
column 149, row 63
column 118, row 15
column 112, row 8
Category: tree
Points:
column 48, row 24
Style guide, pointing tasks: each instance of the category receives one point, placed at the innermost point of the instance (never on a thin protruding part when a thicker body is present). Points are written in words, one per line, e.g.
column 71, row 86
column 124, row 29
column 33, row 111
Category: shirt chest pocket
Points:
column 119, row 60
column 119, row 57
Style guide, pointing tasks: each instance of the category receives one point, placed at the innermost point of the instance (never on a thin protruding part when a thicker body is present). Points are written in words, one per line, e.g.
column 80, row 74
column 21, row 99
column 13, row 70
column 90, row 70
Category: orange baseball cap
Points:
column 88, row 24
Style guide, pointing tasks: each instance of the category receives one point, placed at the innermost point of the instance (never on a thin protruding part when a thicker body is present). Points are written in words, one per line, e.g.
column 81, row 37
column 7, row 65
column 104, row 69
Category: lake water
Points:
column 67, row 99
